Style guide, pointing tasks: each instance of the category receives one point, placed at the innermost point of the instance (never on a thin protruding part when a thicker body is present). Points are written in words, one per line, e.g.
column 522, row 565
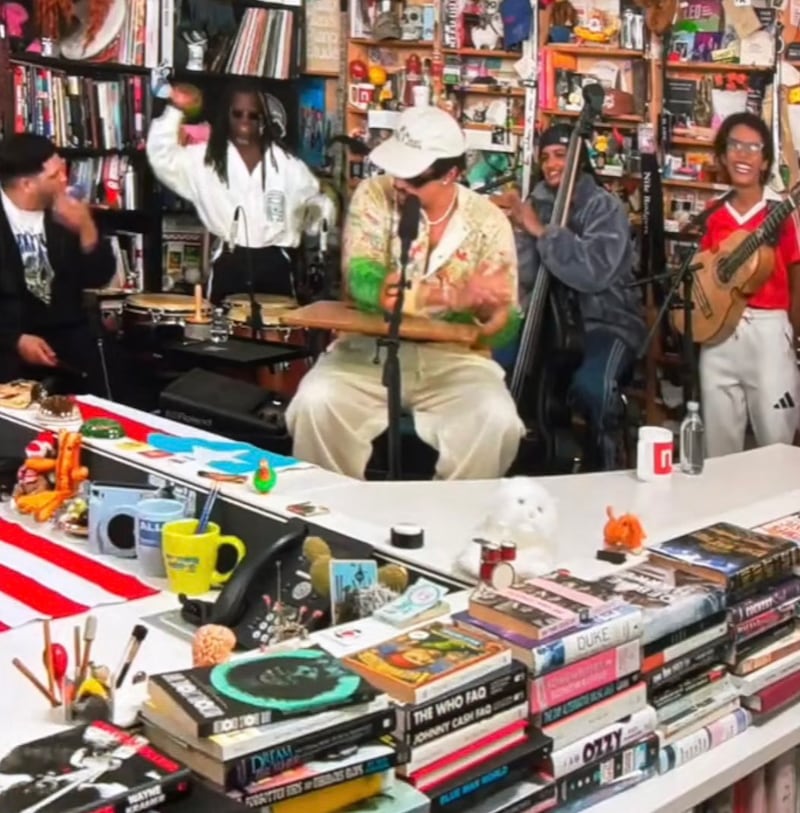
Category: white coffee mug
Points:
column 421, row 95
column 654, row 453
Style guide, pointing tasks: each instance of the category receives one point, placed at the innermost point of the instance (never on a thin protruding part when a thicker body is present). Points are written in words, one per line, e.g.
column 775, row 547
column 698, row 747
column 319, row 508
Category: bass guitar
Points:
column 727, row 275
column 551, row 349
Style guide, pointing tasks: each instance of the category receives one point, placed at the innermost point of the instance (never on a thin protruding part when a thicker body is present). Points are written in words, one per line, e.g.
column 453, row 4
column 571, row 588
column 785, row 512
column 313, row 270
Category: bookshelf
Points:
column 628, row 64
column 97, row 104
column 461, row 61
column 69, row 102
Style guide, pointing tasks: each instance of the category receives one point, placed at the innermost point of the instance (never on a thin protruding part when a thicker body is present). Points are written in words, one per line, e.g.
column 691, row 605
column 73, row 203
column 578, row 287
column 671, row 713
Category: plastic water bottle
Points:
column 692, row 440
column 219, row 326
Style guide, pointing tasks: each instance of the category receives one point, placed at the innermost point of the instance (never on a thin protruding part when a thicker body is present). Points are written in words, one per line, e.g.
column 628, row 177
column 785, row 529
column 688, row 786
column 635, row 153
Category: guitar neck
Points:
column 764, row 232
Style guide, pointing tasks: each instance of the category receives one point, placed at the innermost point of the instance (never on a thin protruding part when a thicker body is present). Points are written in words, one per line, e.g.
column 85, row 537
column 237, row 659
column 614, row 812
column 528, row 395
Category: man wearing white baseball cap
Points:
column 462, row 268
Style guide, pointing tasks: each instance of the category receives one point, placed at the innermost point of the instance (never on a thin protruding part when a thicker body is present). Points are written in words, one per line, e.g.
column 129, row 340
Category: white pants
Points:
column 459, row 400
column 752, row 374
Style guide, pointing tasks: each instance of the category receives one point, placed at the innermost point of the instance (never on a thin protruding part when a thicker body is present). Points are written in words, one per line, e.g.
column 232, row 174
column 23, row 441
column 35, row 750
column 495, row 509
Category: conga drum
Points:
column 148, row 320
column 283, row 378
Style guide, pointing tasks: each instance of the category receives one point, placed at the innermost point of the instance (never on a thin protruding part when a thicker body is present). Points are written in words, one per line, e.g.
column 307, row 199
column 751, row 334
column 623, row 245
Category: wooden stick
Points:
column 35, row 681
column 48, row 658
column 89, row 632
column 198, row 302
column 76, row 643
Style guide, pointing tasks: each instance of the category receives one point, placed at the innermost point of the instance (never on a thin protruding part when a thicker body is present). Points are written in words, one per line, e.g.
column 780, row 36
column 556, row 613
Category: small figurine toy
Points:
column 623, row 532
column 265, row 478
column 522, row 512
column 51, row 474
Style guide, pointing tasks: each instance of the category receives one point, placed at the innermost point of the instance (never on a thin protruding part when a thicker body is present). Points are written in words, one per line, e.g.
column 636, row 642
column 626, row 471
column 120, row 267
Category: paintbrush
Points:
column 20, row 666
column 205, row 515
column 137, row 636
column 89, row 633
column 76, row 643
column 48, row 658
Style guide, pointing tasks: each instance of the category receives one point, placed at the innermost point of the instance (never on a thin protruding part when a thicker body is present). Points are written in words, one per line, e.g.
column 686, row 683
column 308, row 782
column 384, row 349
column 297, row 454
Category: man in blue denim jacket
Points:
column 592, row 255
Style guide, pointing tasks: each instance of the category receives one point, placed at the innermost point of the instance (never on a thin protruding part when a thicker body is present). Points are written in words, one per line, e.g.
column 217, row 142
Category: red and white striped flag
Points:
column 42, row 579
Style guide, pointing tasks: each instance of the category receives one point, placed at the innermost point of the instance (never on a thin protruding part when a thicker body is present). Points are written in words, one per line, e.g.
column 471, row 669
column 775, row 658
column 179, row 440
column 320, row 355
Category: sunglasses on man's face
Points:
column 250, row 115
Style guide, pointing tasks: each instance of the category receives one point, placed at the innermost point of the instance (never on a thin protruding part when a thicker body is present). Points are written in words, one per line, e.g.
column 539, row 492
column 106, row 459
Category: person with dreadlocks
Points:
column 247, row 188
column 593, row 256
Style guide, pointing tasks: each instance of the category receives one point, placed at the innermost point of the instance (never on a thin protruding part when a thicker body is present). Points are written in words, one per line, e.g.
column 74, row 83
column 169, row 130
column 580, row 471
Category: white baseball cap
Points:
column 423, row 135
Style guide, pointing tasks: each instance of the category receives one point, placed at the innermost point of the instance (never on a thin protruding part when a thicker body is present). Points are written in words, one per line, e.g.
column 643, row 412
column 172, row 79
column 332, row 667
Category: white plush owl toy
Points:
column 523, row 512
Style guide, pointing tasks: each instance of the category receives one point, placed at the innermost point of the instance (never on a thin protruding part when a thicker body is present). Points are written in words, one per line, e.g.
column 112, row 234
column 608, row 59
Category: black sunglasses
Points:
column 250, row 115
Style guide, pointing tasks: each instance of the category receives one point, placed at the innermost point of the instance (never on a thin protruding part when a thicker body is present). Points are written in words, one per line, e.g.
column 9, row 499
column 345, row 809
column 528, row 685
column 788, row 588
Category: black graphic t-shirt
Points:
column 28, row 230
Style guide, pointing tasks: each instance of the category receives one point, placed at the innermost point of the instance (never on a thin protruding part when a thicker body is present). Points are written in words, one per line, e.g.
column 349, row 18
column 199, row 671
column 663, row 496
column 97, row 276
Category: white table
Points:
column 749, row 488
column 450, row 510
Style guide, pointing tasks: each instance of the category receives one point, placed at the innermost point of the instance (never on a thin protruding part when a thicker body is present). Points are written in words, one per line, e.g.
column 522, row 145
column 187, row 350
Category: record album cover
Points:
column 256, row 691
column 89, row 769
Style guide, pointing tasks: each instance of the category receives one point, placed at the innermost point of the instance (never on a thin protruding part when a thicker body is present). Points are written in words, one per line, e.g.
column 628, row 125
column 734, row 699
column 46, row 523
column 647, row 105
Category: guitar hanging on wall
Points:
column 547, row 358
column 728, row 274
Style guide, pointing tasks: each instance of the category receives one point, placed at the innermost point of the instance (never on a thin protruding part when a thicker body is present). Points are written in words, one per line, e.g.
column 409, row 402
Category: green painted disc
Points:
column 102, row 428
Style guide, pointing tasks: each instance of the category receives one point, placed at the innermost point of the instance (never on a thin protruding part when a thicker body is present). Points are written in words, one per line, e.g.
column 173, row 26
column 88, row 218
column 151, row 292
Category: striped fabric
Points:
column 42, row 579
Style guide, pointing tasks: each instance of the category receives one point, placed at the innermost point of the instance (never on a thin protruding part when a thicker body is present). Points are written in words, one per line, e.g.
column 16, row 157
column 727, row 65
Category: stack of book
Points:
column 462, row 731
column 289, row 730
column 685, row 647
column 581, row 645
column 755, row 569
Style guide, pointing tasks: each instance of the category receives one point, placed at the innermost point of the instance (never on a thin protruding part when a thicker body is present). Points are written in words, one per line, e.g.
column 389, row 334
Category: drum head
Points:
column 271, row 306
column 176, row 303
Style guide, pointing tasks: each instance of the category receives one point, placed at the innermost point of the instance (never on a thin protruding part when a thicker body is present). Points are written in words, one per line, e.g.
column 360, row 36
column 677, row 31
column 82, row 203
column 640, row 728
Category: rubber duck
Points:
column 265, row 478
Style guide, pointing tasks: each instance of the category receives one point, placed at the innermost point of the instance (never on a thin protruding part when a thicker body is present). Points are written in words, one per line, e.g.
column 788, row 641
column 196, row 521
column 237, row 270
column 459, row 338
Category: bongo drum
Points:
column 283, row 378
column 149, row 319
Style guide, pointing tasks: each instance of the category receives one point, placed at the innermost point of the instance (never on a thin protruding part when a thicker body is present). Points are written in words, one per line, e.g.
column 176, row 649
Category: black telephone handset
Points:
column 241, row 605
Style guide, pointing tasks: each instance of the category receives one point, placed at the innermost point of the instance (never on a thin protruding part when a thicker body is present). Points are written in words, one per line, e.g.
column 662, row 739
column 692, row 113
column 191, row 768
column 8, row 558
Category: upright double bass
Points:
column 550, row 350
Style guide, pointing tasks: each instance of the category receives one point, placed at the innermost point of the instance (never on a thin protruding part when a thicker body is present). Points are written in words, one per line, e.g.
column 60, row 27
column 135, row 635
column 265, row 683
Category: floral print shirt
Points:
column 476, row 252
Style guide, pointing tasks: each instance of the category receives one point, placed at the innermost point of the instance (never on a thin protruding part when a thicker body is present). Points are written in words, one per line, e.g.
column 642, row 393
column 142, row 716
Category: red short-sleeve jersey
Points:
column 774, row 293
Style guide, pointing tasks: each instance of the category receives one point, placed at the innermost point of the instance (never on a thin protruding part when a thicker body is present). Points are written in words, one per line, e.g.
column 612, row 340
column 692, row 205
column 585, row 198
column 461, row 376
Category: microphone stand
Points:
column 407, row 230
column 92, row 304
column 391, row 375
column 683, row 281
column 256, row 322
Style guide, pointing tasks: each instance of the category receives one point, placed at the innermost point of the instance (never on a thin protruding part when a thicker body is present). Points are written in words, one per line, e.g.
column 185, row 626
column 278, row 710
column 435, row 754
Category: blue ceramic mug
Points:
column 151, row 516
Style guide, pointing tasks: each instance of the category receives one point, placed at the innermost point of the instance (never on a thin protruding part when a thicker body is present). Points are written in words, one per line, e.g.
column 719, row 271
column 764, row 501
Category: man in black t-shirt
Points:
column 50, row 251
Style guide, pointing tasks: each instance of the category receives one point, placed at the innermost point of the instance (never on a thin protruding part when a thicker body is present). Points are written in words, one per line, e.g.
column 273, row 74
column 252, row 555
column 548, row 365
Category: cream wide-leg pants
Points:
column 460, row 403
column 751, row 375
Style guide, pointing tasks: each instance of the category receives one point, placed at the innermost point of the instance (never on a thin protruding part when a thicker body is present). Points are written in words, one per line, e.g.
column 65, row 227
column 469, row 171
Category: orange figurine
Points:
column 624, row 532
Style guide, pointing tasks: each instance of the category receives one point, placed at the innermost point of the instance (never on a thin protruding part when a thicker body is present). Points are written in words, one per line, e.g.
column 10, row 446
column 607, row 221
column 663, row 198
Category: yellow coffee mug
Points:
column 190, row 558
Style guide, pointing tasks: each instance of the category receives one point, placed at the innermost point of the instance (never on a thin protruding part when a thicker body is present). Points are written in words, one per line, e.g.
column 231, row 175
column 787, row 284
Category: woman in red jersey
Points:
column 752, row 376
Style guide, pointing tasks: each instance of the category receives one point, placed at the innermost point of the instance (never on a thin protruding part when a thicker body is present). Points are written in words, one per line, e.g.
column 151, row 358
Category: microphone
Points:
column 355, row 145
column 408, row 228
column 496, row 183
column 698, row 221
column 230, row 243
column 90, row 302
